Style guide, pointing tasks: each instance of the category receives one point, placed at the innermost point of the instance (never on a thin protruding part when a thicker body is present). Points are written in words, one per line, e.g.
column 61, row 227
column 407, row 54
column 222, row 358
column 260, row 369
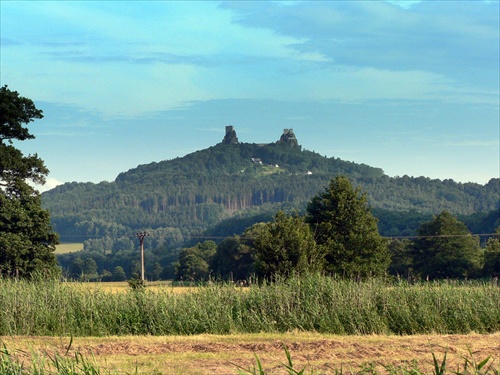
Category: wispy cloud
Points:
column 380, row 81
column 363, row 50
column 375, row 34
column 50, row 183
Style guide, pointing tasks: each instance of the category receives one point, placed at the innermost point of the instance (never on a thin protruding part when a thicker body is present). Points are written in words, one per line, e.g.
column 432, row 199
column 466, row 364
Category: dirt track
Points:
column 219, row 354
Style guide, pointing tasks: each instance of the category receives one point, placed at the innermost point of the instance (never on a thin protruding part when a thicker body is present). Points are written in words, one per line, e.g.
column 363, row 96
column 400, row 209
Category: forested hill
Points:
column 186, row 195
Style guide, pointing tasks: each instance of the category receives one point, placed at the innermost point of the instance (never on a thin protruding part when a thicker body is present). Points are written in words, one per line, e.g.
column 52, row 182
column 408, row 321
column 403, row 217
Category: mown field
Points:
column 325, row 323
column 221, row 354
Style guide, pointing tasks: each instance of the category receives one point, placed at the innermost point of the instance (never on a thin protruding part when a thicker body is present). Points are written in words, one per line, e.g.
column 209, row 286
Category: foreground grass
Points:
column 46, row 363
column 313, row 303
column 298, row 353
column 470, row 366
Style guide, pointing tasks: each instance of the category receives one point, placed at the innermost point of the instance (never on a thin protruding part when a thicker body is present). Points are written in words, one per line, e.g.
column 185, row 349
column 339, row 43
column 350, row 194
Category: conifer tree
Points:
column 347, row 231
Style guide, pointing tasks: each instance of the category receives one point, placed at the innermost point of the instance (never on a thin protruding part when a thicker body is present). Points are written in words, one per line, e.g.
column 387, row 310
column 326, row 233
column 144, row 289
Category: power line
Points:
column 208, row 237
column 444, row 236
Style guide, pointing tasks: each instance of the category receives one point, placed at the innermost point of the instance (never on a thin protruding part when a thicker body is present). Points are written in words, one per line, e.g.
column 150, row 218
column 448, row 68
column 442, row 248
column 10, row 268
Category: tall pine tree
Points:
column 347, row 231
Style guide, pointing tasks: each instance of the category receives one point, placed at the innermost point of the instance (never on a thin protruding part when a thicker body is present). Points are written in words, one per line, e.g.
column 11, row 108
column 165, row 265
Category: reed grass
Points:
column 308, row 303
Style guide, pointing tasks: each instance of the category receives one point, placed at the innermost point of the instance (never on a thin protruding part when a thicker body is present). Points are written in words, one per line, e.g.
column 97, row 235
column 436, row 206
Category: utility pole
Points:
column 141, row 237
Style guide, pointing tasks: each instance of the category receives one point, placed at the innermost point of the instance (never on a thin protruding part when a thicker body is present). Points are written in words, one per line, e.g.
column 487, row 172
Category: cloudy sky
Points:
column 411, row 87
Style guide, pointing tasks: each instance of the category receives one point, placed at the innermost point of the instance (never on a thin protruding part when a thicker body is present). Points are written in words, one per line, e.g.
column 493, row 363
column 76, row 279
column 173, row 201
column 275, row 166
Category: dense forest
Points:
column 187, row 195
column 222, row 190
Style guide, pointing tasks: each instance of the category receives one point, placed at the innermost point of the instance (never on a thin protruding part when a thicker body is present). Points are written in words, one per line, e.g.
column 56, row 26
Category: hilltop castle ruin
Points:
column 230, row 137
column 288, row 137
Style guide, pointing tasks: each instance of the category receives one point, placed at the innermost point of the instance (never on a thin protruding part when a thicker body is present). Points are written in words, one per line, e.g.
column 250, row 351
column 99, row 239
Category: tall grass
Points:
column 308, row 303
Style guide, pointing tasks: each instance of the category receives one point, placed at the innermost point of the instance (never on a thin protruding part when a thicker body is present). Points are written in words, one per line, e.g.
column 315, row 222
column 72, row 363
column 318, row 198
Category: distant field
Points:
column 122, row 286
column 68, row 248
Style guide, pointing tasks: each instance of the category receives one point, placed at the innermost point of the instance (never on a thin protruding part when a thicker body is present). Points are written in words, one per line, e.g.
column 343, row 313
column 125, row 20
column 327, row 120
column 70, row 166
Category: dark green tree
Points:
column 446, row 249
column 401, row 260
column 347, row 231
column 89, row 269
column 105, row 276
column 27, row 240
column 119, row 274
column 76, row 268
column 492, row 256
column 193, row 264
column 234, row 259
column 285, row 246
column 157, row 270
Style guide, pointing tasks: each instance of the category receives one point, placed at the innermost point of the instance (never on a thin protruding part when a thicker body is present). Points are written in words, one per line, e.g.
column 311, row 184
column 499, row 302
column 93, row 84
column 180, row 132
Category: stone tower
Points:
column 288, row 137
column 230, row 138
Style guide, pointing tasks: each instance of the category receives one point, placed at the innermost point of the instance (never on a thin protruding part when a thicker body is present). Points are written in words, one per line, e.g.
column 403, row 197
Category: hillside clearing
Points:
column 65, row 248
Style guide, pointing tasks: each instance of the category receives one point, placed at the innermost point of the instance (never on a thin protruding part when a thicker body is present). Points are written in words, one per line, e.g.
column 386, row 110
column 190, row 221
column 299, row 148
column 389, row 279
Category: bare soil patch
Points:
column 209, row 354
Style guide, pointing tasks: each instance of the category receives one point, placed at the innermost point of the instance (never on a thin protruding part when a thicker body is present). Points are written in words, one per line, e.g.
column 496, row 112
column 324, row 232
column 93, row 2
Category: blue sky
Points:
column 411, row 87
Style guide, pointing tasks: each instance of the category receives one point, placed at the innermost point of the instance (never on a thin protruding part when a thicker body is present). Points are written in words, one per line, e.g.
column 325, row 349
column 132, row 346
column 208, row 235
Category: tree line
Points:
column 339, row 235
column 335, row 232
column 231, row 237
